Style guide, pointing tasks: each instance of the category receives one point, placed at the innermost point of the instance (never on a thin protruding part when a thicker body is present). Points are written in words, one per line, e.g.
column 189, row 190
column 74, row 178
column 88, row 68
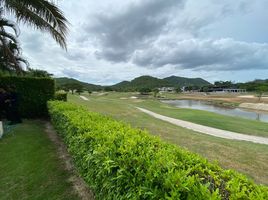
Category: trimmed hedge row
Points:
column 119, row 162
column 33, row 94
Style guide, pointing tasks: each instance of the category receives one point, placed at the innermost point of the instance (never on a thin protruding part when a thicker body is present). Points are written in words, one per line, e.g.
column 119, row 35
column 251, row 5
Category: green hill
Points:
column 152, row 82
column 64, row 80
column 182, row 81
column 138, row 83
column 141, row 82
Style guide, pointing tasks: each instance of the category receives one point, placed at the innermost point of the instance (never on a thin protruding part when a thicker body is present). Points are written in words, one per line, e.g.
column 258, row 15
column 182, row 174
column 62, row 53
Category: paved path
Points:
column 84, row 98
column 208, row 130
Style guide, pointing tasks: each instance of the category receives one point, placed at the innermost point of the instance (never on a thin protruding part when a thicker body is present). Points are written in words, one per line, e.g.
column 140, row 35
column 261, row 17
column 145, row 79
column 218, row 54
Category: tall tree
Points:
column 41, row 14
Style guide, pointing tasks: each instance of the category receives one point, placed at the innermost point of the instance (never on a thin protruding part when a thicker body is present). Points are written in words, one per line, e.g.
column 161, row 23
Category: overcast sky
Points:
column 114, row 40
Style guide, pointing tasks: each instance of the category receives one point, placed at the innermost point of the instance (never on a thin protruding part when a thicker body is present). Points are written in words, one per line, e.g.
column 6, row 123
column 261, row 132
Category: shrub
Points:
column 119, row 162
column 61, row 96
column 145, row 91
column 33, row 94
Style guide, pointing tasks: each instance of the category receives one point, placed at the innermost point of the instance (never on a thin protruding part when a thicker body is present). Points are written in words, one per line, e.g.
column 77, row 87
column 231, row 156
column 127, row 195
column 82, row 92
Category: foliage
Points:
column 120, row 162
column 41, row 14
column 224, row 84
column 37, row 73
column 73, row 87
column 253, row 85
column 178, row 90
column 79, row 89
column 261, row 90
column 145, row 91
column 10, row 52
column 156, row 92
column 33, row 93
column 61, row 96
column 107, row 89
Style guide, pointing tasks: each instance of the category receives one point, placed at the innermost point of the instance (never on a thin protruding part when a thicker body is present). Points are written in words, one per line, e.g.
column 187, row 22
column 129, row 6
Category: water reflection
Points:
column 203, row 105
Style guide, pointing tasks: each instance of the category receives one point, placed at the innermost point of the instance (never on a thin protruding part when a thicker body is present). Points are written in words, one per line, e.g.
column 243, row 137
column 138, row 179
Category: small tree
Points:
column 73, row 87
column 145, row 91
column 108, row 89
column 261, row 90
column 79, row 90
column 178, row 90
column 155, row 91
column 89, row 92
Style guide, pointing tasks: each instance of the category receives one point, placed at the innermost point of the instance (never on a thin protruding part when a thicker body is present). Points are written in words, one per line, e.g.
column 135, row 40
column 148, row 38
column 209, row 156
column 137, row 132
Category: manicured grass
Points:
column 235, row 124
column 29, row 166
column 246, row 157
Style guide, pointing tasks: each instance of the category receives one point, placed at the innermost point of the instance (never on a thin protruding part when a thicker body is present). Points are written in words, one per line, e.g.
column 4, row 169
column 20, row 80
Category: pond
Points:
column 203, row 105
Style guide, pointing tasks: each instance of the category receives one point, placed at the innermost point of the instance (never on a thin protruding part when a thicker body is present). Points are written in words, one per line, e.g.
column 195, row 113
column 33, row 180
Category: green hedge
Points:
column 60, row 96
column 33, row 94
column 119, row 162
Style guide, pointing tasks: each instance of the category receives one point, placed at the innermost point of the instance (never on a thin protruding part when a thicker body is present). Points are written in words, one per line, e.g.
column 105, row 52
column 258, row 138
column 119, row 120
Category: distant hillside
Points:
column 141, row 82
column 182, row 81
column 138, row 83
column 87, row 86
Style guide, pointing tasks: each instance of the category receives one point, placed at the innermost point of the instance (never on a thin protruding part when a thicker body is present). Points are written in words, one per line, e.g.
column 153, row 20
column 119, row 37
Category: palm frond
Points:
column 41, row 14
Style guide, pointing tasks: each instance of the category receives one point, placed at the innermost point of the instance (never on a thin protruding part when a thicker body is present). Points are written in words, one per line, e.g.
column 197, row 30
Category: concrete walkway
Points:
column 84, row 98
column 208, row 130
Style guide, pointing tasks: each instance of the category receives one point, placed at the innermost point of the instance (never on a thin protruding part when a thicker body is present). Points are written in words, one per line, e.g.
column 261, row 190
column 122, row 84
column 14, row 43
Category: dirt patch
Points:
column 78, row 183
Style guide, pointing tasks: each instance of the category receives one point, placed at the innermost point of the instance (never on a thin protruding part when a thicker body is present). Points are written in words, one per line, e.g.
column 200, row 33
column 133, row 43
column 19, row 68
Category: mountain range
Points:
column 139, row 82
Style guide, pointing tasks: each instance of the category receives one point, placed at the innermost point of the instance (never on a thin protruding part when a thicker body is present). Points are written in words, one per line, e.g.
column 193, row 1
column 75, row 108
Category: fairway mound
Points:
column 121, row 162
column 255, row 106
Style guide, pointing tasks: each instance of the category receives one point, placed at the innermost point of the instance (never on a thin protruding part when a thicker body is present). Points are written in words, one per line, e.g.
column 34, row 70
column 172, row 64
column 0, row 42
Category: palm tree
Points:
column 41, row 14
column 9, row 49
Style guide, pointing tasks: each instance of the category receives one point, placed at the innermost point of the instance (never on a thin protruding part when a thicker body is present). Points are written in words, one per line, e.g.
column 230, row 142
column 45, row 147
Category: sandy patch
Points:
column 102, row 93
column 255, row 106
column 247, row 96
column 133, row 97
column 84, row 98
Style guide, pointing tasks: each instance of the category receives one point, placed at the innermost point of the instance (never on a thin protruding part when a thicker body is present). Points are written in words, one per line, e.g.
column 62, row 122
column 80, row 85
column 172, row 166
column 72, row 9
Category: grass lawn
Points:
column 229, row 123
column 248, row 158
column 29, row 166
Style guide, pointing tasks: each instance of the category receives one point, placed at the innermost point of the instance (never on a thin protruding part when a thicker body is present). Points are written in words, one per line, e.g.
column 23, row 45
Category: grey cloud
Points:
column 121, row 34
column 220, row 55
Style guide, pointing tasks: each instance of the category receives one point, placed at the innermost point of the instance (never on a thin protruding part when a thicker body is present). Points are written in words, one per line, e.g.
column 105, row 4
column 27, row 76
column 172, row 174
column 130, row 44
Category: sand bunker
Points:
column 255, row 106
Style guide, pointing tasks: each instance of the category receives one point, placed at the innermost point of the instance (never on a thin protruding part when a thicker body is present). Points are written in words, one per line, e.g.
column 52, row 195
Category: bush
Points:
column 61, row 96
column 145, row 91
column 119, row 162
column 33, row 94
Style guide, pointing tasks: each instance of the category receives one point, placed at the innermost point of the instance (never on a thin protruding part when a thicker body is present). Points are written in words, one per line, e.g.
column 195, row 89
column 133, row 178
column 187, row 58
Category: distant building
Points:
column 226, row 90
column 166, row 89
column 235, row 90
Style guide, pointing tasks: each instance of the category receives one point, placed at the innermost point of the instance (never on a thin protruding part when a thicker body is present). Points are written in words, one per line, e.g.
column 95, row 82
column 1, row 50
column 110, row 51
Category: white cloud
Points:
column 110, row 41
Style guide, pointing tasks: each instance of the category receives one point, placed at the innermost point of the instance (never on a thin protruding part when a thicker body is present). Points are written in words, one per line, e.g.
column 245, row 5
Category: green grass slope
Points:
column 29, row 166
